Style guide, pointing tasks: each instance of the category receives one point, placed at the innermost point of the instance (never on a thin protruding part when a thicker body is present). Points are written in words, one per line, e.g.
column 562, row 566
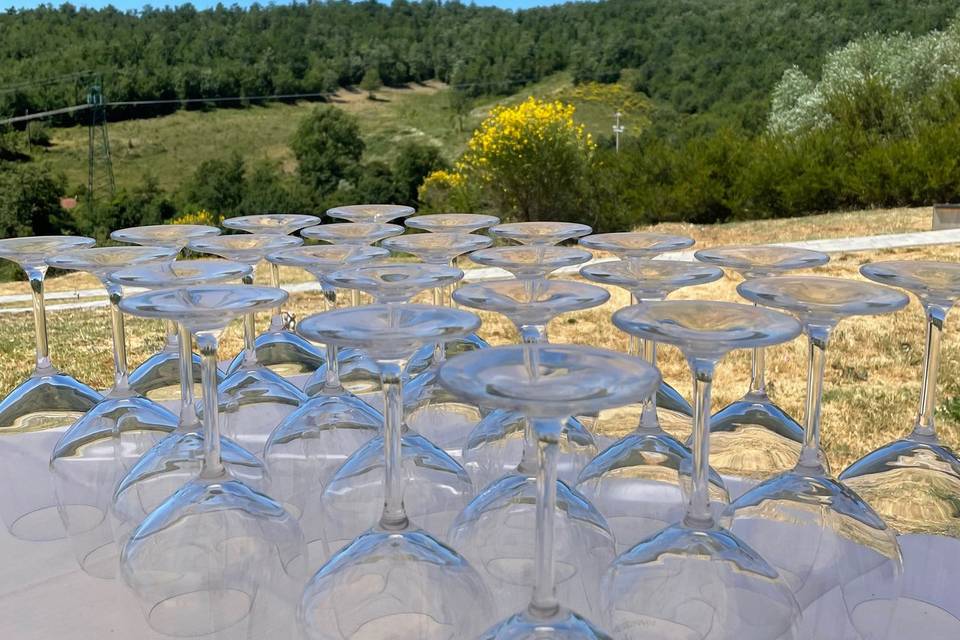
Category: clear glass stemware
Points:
column 177, row 458
column 217, row 558
column 395, row 580
column 839, row 557
column 101, row 446
column 444, row 419
column 370, row 212
column 914, row 482
column 451, row 222
column 546, row 383
column 311, row 443
column 752, row 438
column 280, row 347
column 36, row 413
column 254, row 399
column 641, row 482
column 695, row 579
column 157, row 377
column 539, row 233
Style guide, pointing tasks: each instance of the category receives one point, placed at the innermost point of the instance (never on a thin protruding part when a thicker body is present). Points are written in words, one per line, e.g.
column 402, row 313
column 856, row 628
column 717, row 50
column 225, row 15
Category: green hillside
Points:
column 170, row 147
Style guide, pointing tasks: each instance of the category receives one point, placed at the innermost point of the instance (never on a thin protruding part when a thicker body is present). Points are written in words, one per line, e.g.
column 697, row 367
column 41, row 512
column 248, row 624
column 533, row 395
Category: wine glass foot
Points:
column 284, row 352
column 158, row 377
column 751, row 440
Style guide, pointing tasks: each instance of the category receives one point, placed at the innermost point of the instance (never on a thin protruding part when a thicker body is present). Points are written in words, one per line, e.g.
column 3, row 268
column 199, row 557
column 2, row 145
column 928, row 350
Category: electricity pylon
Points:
column 99, row 163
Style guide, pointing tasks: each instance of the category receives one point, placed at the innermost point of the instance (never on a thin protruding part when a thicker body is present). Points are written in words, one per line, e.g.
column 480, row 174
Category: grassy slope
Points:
column 169, row 147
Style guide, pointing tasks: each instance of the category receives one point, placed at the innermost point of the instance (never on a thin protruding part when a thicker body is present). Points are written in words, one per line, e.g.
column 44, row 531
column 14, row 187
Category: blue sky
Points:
column 136, row 4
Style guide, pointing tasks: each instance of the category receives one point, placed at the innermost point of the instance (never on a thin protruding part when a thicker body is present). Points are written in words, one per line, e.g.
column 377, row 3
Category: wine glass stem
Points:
column 758, row 383
column 925, row 426
column 544, row 602
column 249, row 333
column 439, row 348
column 188, row 410
column 649, row 421
column 121, row 383
column 170, row 344
column 810, row 455
column 36, row 275
column 698, row 511
column 391, row 379
column 634, row 346
column 212, row 463
column 276, row 320
column 355, row 297
column 332, row 381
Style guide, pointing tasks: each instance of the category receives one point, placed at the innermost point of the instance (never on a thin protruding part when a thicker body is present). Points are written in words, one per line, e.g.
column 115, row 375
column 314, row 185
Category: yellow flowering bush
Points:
column 199, row 217
column 529, row 160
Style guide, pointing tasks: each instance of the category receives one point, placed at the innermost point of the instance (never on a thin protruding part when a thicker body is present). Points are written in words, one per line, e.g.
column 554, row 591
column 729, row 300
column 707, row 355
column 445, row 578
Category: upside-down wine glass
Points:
column 695, row 579
column 177, row 458
column 158, row 377
column 839, row 557
column 503, row 438
column 495, row 446
column 438, row 487
column 254, row 399
column 635, row 247
column 102, row 445
column 446, row 420
column 311, row 443
column 548, row 383
column 35, row 414
column 752, row 439
column 495, row 531
column 395, row 580
column 278, row 346
column 358, row 373
column 641, row 482
column 914, row 482
column 213, row 551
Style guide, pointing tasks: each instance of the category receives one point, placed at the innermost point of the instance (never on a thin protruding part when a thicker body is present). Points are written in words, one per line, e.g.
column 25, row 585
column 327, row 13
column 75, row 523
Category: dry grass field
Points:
column 873, row 370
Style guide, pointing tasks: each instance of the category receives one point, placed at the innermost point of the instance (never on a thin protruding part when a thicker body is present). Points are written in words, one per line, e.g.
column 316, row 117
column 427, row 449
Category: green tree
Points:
column 328, row 148
column 216, row 185
column 30, row 200
column 371, row 82
column 415, row 161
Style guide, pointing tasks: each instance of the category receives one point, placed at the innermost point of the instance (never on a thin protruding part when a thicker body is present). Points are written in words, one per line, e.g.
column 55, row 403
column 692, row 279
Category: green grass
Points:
column 170, row 147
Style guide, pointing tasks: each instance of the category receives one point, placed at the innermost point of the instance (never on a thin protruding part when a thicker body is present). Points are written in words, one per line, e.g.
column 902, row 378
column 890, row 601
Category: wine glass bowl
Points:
column 451, row 222
column 391, row 283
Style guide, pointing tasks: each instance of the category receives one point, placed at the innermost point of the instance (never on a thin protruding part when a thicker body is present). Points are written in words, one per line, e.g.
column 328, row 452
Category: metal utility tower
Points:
column 617, row 130
column 99, row 163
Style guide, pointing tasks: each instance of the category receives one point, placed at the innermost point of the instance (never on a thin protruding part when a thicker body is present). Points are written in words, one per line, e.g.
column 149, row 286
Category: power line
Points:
column 44, row 114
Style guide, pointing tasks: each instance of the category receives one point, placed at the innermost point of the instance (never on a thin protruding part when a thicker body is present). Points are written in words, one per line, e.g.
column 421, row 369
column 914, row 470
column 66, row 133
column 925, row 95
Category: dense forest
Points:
column 720, row 57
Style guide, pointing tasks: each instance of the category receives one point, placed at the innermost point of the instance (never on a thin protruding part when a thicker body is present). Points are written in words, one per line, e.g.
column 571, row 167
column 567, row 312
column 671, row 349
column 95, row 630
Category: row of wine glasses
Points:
column 494, row 453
